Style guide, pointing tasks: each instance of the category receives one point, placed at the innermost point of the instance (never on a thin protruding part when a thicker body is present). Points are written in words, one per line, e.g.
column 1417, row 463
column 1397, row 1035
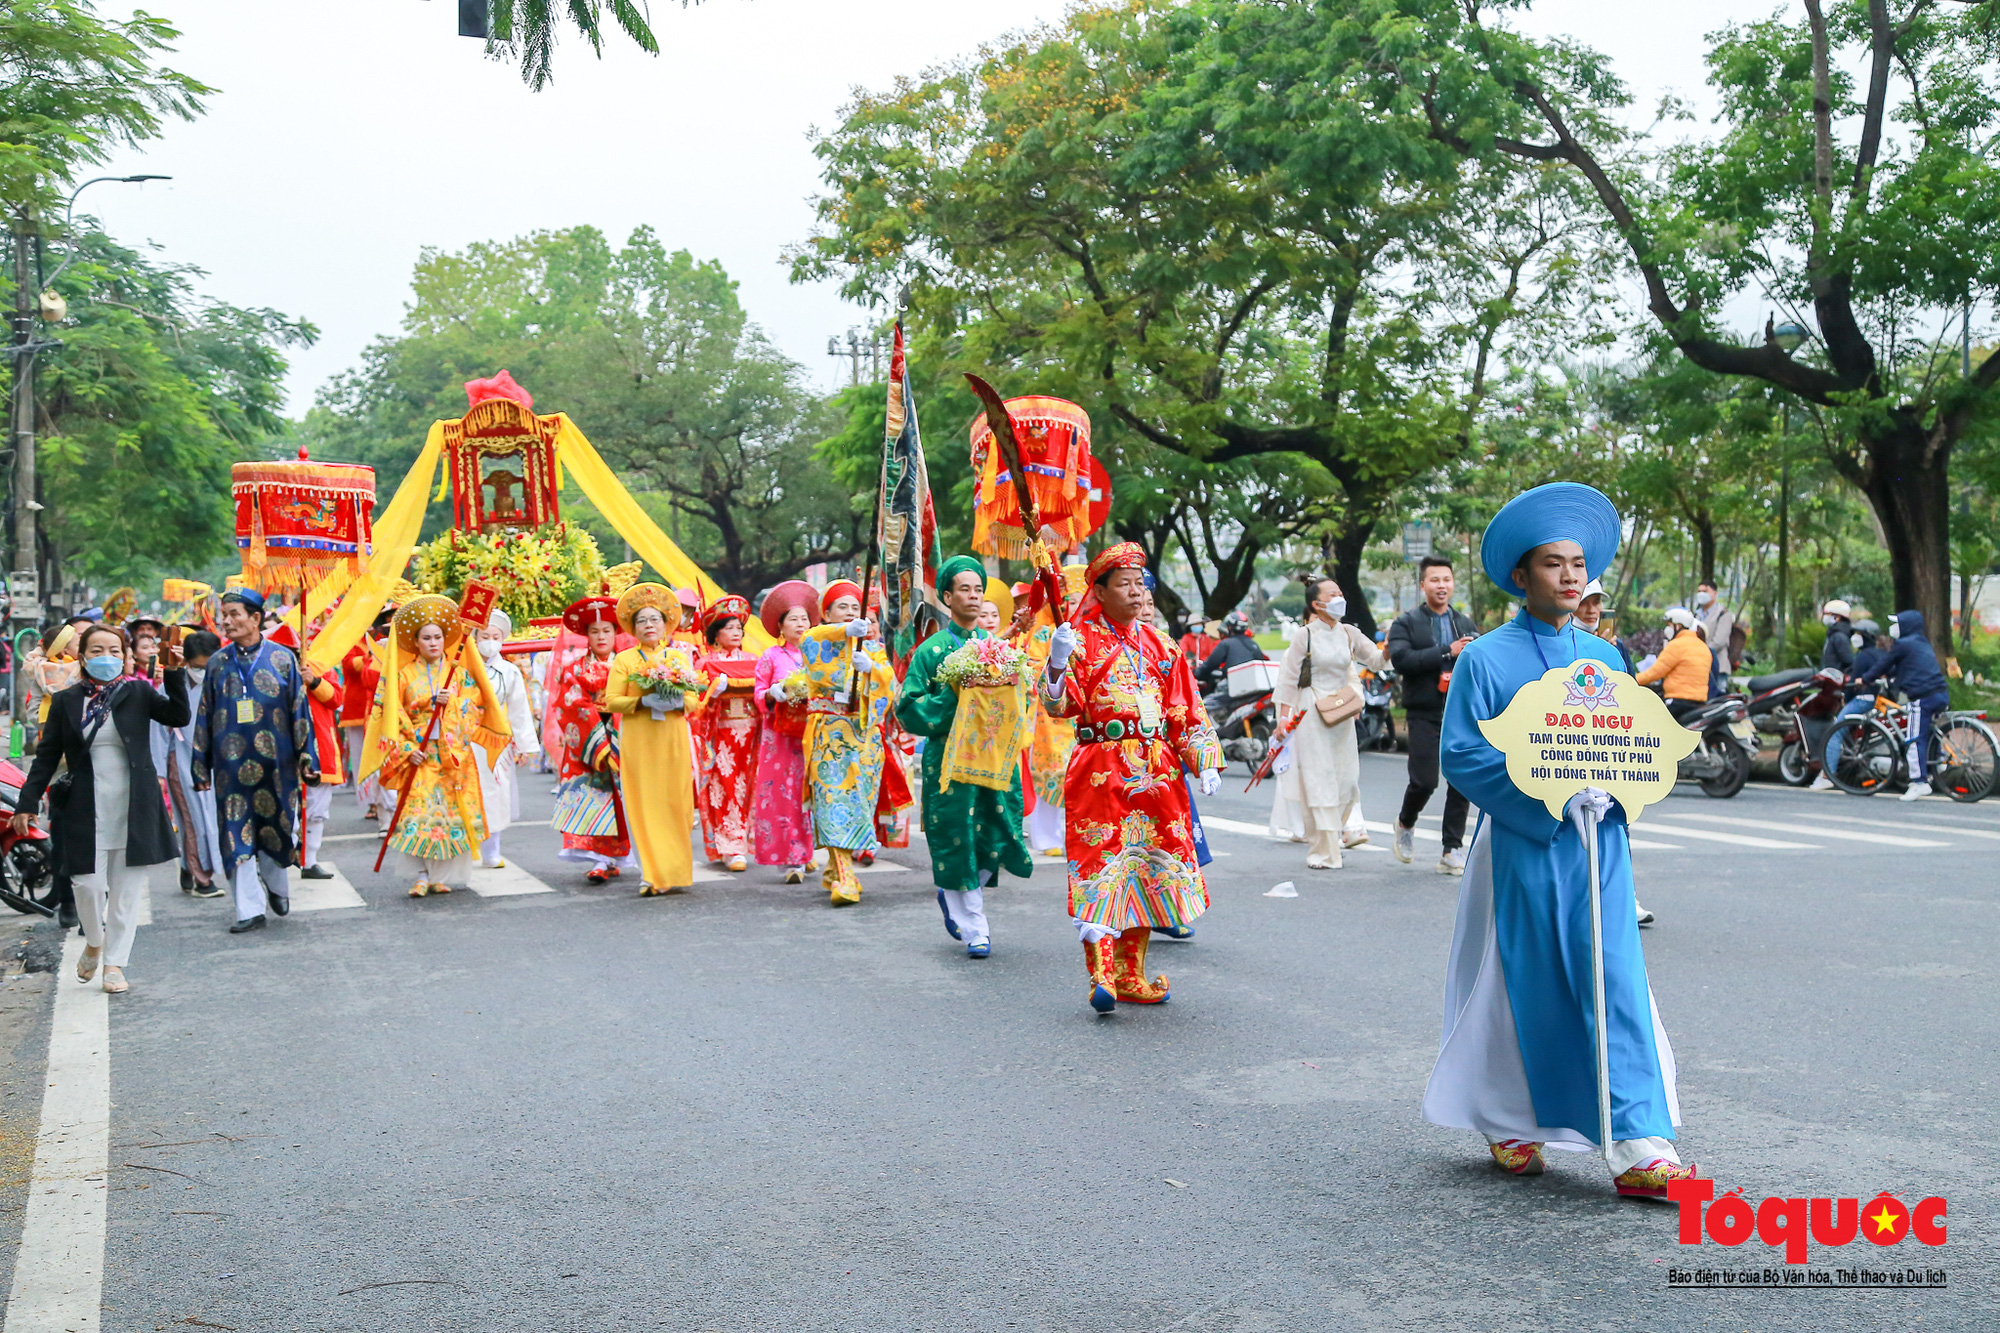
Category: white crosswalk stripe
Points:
column 1733, row 839
column 505, row 881
column 1816, row 829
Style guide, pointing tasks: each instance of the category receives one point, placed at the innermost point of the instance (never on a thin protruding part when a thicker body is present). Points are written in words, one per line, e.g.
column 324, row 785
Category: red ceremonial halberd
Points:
column 1139, row 720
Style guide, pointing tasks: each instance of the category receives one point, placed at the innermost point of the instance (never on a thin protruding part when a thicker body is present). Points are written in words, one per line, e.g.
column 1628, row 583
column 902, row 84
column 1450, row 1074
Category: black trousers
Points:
column 1423, row 732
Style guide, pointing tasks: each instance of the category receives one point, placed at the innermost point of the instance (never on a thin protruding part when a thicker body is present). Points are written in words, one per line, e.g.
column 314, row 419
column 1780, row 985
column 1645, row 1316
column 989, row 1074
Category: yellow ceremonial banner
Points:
column 1586, row 725
column 396, row 530
column 987, row 733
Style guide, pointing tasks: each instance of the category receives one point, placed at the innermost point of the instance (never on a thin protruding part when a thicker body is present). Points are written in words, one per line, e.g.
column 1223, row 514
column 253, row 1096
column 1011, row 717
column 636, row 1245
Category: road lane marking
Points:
column 506, row 881
column 1906, row 824
column 59, row 1269
column 1817, row 830
column 323, row 895
column 1236, row 826
column 1735, row 839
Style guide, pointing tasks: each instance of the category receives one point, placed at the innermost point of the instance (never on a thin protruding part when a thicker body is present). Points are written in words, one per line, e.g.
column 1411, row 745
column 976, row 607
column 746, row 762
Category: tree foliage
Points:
column 1863, row 205
column 73, row 87
column 650, row 352
column 1115, row 209
column 154, row 394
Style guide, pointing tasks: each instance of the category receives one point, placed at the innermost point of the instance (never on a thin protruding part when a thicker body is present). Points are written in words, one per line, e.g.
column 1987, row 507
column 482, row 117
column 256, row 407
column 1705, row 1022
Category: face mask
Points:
column 1896, row 629
column 489, row 648
column 1703, row 598
column 1336, row 607
column 104, row 668
column 1829, row 621
column 196, row 675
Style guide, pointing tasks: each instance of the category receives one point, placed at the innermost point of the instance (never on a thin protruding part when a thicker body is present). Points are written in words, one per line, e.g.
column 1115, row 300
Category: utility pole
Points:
column 22, row 424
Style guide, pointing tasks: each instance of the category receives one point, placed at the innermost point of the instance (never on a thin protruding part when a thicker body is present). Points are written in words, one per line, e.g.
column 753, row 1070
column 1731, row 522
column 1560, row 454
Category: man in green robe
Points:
column 974, row 832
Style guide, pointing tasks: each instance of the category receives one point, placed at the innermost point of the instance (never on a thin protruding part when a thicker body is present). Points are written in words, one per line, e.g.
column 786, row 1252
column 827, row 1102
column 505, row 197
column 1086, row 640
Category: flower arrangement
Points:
column 538, row 571
column 986, row 662
column 789, row 718
column 667, row 684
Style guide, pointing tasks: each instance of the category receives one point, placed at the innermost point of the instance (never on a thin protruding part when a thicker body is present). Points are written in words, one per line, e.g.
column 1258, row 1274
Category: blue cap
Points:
column 250, row 597
column 1559, row 511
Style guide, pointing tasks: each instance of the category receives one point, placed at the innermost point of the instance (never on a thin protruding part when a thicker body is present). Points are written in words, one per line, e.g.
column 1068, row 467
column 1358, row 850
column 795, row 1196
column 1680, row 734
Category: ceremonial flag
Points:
column 908, row 534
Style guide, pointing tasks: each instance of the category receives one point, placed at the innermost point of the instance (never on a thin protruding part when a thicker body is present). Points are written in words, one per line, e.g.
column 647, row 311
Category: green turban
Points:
column 959, row 564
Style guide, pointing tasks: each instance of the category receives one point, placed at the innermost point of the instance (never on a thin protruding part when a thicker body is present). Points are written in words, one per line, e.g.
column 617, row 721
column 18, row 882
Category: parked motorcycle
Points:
column 1720, row 765
column 1243, row 711
column 27, row 869
column 1375, row 729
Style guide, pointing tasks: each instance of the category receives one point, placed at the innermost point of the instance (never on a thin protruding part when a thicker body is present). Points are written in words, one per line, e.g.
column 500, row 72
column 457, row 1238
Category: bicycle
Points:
column 1961, row 755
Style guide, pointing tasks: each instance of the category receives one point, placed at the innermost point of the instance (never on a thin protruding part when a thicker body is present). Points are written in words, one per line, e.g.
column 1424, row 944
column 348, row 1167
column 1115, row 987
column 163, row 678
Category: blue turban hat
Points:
column 1559, row 511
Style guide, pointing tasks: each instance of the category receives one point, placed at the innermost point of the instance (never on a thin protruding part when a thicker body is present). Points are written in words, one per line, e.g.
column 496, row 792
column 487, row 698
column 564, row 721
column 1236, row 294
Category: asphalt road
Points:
column 740, row 1109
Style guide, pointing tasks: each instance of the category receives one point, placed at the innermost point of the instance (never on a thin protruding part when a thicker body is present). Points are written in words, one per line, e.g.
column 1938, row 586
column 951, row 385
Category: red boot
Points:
column 1132, row 986
column 1097, row 960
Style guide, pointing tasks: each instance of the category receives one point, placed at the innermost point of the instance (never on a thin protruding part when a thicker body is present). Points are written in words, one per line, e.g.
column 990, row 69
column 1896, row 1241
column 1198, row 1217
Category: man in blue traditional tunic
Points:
column 1518, row 1061
column 253, row 741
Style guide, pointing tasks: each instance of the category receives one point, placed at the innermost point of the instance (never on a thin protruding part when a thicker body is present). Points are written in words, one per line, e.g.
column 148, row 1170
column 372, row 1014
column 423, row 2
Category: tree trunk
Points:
column 1704, row 527
column 1346, row 560
column 1907, row 487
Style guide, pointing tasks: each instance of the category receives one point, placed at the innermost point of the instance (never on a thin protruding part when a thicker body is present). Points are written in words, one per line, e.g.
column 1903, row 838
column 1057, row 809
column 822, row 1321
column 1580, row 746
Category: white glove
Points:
column 862, row 661
column 1211, row 781
column 776, row 694
column 1592, row 803
column 858, row 628
column 1062, row 647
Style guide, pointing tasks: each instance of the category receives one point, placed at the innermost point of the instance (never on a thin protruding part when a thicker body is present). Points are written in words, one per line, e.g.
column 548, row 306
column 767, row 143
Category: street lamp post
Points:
column 1788, row 336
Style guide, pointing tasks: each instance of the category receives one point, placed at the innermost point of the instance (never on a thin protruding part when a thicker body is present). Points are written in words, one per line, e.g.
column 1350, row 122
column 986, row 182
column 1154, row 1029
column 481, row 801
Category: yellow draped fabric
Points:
column 396, row 532
column 398, row 526
column 594, row 477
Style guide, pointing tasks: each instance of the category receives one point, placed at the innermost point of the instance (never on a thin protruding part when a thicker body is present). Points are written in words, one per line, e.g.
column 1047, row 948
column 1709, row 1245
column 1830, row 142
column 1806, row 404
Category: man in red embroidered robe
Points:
column 1139, row 720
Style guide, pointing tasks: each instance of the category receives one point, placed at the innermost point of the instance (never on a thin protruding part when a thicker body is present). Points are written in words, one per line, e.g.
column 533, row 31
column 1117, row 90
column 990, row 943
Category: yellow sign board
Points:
column 1587, row 725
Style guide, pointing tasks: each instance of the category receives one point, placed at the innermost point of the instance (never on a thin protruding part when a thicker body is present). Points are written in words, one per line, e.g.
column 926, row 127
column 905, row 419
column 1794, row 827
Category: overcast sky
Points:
column 345, row 137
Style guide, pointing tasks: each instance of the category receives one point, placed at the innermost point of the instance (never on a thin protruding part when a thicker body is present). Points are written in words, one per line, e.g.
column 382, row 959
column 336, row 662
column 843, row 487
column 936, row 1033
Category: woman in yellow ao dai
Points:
column 655, row 757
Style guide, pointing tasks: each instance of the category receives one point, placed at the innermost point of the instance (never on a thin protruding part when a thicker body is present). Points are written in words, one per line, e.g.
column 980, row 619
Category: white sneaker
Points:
column 1406, row 844
column 1452, row 862
column 1917, row 791
column 1645, row 917
column 1821, row 783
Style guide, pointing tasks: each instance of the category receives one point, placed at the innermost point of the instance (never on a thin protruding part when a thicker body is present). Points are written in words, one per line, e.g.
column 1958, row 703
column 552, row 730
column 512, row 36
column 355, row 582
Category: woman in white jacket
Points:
column 499, row 785
column 1325, row 774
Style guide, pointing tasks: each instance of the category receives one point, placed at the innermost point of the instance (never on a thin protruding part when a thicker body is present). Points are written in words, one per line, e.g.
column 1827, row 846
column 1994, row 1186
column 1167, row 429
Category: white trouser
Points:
column 489, row 851
column 1628, row 1153
column 253, row 877
column 107, row 904
column 319, row 804
column 968, row 913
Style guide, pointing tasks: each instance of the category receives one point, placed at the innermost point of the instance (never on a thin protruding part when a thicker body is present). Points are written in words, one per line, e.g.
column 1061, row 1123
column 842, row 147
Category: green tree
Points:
column 527, row 30
column 1108, row 207
column 1864, row 204
column 154, row 394
column 652, row 355
column 73, row 87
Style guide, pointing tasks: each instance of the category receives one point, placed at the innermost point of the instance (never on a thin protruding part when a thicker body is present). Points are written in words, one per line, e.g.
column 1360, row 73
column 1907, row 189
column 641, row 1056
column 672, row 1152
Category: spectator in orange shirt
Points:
column 1683, row 664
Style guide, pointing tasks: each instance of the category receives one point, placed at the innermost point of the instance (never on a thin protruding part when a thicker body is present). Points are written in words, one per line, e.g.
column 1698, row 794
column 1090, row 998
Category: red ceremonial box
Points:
column 297, row 521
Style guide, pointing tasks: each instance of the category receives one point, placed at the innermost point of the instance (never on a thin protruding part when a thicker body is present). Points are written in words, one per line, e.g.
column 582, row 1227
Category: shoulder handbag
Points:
column 1342, row 705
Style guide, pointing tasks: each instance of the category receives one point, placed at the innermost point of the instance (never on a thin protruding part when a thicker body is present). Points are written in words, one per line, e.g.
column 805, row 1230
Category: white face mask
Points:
column 489, row 648
column 1895, row 629
column 1704, row 597
column 1829, row 621
column 1335, row 607
column 196, row 675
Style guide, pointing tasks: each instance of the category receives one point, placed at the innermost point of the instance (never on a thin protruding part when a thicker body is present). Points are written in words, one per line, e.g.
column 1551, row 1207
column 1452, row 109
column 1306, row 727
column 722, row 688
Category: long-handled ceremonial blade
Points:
column 1002, row 427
